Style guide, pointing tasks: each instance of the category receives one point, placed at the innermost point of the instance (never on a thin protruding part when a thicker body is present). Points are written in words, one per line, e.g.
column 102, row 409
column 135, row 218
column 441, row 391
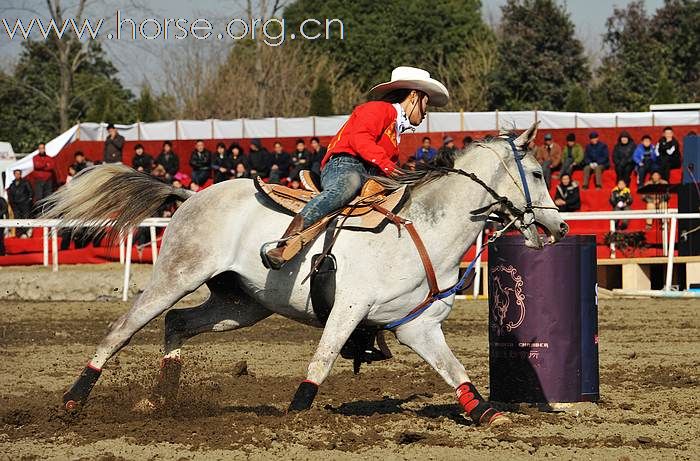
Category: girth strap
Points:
column 418, row 242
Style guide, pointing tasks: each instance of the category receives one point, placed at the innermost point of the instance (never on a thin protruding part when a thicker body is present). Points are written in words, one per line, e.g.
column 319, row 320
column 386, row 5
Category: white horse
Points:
column 215, row 235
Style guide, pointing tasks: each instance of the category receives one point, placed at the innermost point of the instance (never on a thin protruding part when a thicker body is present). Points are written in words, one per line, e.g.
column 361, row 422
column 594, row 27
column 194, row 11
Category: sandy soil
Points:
column 398, row 409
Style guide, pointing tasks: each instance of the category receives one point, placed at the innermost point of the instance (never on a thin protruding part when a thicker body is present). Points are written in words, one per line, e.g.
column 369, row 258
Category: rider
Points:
column 367, row 144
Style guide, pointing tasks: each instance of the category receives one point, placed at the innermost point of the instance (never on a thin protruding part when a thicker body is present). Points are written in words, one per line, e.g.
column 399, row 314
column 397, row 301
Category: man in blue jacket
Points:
column 596, row 159
column 646, row 157
column 425, row 152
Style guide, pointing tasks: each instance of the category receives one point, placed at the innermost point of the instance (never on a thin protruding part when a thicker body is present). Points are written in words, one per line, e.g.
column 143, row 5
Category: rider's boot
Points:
column 274, row 258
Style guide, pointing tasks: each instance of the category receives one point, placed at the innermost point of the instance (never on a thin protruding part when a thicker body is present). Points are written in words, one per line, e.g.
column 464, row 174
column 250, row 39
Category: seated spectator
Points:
column 466, row 141
column 294, row 183
column 238, row 156
column 567, row 196
column 623, row 154
column 4, row 214
column 184, row 179
column 549, row 156
column 596, row 159
column 669, row 151
column 221, row 164
column 200, row 161
column 448, row 146
column 142, row 161
column 241, row 172
column 572, row 155
column 317, row 154
column 645, row 157
column 19, row 194
column 194, row 187
column 425, row 152
column 168, row 160
column 301, row 159
column 260, row 161
column 280, row 164
column 657, row 202
column 80, row 163
column 621, row 200
column 44, row 174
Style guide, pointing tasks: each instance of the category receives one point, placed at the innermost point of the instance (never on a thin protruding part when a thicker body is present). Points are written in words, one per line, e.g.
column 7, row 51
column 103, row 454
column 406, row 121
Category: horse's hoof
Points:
column 71, row 406
column 499, row 419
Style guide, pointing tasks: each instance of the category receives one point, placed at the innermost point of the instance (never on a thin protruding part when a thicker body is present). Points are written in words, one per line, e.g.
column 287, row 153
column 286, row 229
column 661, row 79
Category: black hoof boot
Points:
column 78, row 393
column 304, row 397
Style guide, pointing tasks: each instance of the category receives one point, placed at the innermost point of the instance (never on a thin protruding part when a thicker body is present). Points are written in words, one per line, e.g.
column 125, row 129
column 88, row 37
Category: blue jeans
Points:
column 342, row 179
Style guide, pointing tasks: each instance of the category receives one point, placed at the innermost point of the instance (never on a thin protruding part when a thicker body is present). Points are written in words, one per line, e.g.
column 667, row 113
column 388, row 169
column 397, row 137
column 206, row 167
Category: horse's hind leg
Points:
column 160, row 295
column 428, row 341
column 228, row 308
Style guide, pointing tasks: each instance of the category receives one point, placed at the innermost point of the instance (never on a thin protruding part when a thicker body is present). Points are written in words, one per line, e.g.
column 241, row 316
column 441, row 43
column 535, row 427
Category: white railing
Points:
column 50, row 228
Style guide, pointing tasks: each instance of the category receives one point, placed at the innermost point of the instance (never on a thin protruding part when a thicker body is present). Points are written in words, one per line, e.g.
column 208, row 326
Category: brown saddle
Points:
column 360, row 214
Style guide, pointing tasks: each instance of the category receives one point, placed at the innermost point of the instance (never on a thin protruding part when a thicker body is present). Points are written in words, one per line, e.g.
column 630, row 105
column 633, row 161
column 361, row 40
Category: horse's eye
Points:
column 537, row 174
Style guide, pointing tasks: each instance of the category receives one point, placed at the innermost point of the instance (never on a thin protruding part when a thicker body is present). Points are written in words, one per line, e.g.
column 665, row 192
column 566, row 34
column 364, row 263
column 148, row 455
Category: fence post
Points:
column 477, row 266
column 612, row 242
column 671, row 250
column 54, row 248
column 154, row 245
column 45, row 237
column 127, row 265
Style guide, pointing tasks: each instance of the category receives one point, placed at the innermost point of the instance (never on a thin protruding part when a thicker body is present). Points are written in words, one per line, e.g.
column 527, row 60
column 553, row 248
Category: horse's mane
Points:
column 436, row 168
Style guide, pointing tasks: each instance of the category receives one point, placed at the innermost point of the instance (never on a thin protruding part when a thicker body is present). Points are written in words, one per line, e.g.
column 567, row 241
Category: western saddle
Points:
column 368, row 211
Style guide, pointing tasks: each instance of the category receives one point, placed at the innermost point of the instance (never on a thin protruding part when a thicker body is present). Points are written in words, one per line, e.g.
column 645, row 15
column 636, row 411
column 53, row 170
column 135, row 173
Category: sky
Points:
column 143, row 60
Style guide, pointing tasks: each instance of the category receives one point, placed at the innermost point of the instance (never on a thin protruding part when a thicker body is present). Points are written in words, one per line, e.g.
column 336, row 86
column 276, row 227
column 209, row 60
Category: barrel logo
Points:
column 508, row 306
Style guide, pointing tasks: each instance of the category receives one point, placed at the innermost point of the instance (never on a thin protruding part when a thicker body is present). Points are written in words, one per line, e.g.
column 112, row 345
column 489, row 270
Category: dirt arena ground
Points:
column 397, row 409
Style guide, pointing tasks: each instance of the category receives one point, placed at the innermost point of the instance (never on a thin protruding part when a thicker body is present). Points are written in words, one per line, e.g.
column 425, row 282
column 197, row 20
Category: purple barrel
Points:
column 543, row 321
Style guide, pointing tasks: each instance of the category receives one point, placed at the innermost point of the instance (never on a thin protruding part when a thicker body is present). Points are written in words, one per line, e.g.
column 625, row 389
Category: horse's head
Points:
column 541, row 211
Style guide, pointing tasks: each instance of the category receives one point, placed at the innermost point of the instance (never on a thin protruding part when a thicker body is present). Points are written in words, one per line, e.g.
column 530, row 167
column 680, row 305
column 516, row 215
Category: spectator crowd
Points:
column 650, row 162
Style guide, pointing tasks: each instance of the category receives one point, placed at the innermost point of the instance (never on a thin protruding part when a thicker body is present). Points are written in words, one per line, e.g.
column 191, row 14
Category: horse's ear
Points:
column 527, row 136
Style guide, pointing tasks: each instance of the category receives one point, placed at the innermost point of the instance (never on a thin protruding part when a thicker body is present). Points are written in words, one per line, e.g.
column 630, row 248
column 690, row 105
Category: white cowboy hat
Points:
column 412, row 78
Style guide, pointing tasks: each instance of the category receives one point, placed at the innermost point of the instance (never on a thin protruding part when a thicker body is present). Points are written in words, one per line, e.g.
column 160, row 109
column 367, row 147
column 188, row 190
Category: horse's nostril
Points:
column 564, row 228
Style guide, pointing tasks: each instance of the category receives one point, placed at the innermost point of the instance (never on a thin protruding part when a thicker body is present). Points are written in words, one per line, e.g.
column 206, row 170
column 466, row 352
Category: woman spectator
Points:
column 622, row 157
column 238, row 156
column 221, row 164
column 168, row 160
column 241, row 172
column 567, row 196
column 621, row 200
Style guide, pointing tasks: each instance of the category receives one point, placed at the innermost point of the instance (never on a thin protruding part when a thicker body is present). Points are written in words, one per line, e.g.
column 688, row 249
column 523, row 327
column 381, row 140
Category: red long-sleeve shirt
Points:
column 44, row 167
column 369, row 133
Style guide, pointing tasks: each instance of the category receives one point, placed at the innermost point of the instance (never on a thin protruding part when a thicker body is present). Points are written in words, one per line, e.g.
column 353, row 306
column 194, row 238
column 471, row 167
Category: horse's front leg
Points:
column 339, row 326
column 425, row 337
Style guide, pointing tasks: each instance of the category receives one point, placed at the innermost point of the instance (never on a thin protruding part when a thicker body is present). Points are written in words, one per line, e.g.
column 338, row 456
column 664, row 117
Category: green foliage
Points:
column 379, row 36
column 651, row 59
column 577, row 99
column 539, row 57
column 321, row 99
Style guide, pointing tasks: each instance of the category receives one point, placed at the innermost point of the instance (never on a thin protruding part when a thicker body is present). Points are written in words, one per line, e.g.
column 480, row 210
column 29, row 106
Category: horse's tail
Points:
column 109, row 195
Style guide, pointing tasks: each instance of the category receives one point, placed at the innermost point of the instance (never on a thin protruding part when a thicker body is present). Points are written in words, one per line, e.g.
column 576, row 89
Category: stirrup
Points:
column 265, row 247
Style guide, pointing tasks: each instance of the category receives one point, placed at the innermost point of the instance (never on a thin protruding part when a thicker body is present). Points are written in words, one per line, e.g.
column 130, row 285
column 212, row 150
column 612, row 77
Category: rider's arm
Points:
column 369, row 127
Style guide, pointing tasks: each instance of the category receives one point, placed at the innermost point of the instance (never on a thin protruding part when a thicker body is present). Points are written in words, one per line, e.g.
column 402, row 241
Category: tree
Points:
column 539, row 57
column 379, row 36
column 31, row 94
column 675, row 27
column 577, row 99
column 321, row 99
column 629, row 71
